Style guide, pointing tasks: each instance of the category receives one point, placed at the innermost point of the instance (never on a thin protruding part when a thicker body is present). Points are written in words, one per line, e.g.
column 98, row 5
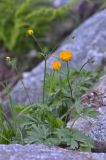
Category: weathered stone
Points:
column 96, row 97
column 89, row 41
column 41, row 152
column 58, row 3
column 94, row 128
column 101, row 85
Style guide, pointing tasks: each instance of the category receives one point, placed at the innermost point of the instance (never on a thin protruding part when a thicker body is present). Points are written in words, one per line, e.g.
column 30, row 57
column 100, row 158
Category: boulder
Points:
column 58, row 3
column 95, row 128
column 89, row 40
column 42, row 152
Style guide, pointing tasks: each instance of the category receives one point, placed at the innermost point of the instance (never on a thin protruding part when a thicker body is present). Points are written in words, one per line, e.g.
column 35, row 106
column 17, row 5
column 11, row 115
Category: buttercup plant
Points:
column 13, row 63
column 30, row 32
column 67, row 56
column 56, row 65
column 57, row 116
column 45, row 121
column 45, row 56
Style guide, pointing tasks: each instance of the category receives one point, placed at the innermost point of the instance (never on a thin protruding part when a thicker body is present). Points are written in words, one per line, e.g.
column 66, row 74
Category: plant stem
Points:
column 45, row 57
column 68, row 72
column 89, row 61
column 34, row 38
column 83, row 66
column 7, row 92
column 73, row 123
column 23, row 85
column 44, row 80
column 52, row 84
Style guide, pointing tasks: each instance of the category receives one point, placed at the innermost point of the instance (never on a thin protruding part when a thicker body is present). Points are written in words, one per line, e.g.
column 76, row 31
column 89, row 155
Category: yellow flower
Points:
column 66, row 55
column 56, row 65
column 30, row 32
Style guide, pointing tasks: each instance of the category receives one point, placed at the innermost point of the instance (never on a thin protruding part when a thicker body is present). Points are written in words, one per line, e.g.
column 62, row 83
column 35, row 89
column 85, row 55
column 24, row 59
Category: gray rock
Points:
column 94, row 128
column 58, row 3
column 41, row 152
column 96, row 96
column 90, row 40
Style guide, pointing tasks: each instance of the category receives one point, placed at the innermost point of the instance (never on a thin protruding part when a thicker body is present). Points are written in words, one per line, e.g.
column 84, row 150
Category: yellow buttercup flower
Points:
column 56, row 65
column 66, row 55
column 30, row 32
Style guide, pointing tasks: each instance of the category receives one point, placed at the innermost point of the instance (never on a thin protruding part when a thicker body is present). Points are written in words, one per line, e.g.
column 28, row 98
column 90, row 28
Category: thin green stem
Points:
column 5, row 138
column 52, row 84
column 83, row 66
column 68, row 80
column 44, row 80
column 8, row 94
column 73, row 123
column 7, row 120
column 89, row 61
column 23, row 85
column 35, row 40
column 45, row 57
column 71, row 127
column 13, row 127
column 10, row 107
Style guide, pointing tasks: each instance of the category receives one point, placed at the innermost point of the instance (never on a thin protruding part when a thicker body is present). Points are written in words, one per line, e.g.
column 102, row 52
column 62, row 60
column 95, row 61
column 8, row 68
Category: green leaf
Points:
column 90, row 112
column 78, row 107
column 73, row 144
column 38, row 134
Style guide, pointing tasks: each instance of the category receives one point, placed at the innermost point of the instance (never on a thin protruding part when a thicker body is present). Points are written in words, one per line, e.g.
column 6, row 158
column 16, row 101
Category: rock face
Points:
column 90, row 40
column 96, row 97
column 58, row 3
column 95, row 128
column 41, row 152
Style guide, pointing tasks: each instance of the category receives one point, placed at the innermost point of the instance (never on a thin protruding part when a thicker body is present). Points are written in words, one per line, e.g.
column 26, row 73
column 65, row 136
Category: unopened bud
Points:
column 8, row 58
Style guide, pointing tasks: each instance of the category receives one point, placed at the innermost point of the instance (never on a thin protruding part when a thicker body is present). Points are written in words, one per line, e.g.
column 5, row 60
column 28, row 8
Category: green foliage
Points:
column 39, row 124
column 72, row 137
column 17, row 16
column 46, row 123
column 8, row 127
